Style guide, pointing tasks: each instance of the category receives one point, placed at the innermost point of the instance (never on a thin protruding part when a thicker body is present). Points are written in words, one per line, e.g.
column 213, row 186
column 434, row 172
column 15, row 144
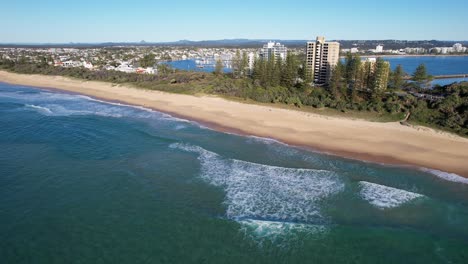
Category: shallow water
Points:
column 85, row 181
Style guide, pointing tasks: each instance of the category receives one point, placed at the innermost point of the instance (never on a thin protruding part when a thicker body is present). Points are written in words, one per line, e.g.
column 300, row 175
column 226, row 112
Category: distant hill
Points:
column 247, row 43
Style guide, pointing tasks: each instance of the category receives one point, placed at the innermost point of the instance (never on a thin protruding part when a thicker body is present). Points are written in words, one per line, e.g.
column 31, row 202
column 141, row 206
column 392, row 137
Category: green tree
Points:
column 164, row 69
column 367, row 74
column 278, row 69
column 353, row 66
column 353, row 74
column 244, row 64
column 397, row 77
column 148, row 60
column 218, row 67
column 166, row 57
column 420, row 76
column 237, row 64
column 336, row 81
column 271, row 78
column 289, row 72
column 258, row 70
column 380, row 79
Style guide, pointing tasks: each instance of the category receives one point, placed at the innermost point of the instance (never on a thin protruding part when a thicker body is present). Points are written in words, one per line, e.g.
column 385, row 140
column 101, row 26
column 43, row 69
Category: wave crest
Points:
column 447, row 176
column 384, row 197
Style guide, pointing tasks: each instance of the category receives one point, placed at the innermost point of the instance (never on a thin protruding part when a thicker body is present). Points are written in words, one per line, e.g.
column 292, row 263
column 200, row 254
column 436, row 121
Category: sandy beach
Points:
column 389, row 143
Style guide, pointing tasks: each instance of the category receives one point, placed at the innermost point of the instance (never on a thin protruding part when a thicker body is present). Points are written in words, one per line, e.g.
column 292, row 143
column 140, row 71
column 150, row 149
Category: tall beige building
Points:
column 322, row 57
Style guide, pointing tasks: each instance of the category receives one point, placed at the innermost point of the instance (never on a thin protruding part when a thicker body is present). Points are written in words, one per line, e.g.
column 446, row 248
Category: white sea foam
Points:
column 272, row 230
column 267, row 193
column 40, row 109
column 447, row 176
column 161, row 114
column 384, row 197
column 42, row 96
column 179, row 127
column 60, row 110
column 264, row 140
column 74, row 104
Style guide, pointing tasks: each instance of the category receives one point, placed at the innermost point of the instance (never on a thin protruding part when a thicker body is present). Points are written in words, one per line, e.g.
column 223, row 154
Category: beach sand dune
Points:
column 389, row 143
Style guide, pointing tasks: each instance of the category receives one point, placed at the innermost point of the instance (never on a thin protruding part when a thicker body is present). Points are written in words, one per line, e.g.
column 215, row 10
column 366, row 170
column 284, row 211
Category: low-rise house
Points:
column 88, row 65
column 125, row 68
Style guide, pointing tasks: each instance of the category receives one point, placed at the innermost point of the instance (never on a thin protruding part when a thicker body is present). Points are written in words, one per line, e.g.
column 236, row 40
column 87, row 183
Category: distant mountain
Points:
column 248, row 43
column 234, row 42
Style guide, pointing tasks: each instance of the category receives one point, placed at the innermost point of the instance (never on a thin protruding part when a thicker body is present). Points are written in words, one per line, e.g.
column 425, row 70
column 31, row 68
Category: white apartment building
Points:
column 379, row 49
column 457, row 47
column 251, row 60
column 273, row 50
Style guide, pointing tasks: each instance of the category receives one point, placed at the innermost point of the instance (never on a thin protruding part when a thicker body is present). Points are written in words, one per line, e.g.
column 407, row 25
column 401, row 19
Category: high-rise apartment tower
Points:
column 322, row 57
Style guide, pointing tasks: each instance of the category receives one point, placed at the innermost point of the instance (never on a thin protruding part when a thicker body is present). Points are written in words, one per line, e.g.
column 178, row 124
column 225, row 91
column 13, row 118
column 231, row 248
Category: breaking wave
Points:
column 384, row 197
column 261, row 230
column 268, row 199
column 62, row 104
column 447, row 176
column 59, row 110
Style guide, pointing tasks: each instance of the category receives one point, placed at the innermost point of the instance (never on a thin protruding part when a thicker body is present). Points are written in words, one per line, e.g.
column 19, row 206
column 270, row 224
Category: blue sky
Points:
column 53, row 21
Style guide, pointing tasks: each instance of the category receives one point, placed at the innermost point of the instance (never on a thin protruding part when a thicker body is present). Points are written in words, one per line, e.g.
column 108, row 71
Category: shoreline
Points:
column 387, row 143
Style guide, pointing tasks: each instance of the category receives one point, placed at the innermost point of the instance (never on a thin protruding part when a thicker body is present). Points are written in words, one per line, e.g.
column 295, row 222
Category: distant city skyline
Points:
column 52, row 21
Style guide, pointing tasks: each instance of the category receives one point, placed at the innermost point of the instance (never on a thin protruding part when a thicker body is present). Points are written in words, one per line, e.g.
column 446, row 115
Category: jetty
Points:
column 450, row 76
column 447, row 76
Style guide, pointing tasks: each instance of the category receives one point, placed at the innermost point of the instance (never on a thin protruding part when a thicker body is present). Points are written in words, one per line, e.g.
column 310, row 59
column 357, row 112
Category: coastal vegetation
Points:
column 356, row 86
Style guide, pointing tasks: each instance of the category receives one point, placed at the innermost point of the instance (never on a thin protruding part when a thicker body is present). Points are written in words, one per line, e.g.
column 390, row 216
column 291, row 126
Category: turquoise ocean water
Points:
column 85, row 181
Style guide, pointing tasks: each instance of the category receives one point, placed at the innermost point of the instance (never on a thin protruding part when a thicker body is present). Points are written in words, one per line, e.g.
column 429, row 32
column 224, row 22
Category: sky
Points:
column 85, row 21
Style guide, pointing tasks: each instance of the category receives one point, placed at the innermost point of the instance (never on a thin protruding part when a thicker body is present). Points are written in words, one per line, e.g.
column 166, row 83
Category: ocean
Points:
column 88, row 181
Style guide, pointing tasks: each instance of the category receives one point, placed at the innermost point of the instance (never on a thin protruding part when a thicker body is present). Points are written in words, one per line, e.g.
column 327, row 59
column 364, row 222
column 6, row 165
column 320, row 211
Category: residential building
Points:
column 379, row 49
column 321, row 58
column 457, row 47
column 88, row 65
column 445, row 50
column 415, row 50
column 273, row 50
column 251, row 60
column 124, row 67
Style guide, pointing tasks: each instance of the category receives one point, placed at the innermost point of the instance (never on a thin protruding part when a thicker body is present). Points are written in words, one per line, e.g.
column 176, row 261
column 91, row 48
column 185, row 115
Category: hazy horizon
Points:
column 215, row 40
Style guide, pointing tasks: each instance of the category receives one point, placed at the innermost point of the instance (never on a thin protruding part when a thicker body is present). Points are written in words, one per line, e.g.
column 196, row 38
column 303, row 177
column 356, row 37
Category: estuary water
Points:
column 86, row 181
column 436, row 65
